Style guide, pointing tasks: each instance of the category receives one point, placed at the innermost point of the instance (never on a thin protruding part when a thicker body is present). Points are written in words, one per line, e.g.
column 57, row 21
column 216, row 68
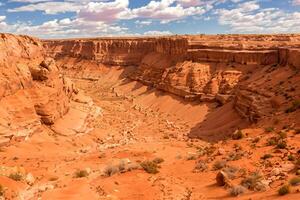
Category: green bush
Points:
column 238, row 135
column 281, row 145
column 295, row 105
column 295, row 181
column 269, row 129
column 16, row 176
column 285, row 189
column 81, row 174
column 266, row 156
column 1, row 191
column 150, row 167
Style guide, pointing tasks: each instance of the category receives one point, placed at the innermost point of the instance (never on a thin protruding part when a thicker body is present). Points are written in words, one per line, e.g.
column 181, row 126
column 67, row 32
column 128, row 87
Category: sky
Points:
column 95, row 18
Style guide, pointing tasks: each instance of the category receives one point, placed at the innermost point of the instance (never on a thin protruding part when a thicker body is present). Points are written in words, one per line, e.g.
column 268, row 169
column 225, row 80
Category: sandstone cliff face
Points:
column 116, row 51
column 203, row 68
column 32, row 91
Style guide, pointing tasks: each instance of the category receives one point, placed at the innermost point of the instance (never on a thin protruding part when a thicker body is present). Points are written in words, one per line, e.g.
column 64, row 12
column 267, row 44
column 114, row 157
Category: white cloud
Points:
column 250, row 18
column 108, row 11
column 143, row 23
column 166, row 11
column 157, row 33
column 2, row 18
column 296, row 2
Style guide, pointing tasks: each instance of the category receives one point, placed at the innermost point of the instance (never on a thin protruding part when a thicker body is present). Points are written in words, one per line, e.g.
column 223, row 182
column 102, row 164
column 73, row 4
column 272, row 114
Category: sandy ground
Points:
column 138, row 124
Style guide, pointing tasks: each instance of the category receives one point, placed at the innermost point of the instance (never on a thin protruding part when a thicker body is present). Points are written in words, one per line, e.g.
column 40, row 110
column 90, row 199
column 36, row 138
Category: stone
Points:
column 29, row 179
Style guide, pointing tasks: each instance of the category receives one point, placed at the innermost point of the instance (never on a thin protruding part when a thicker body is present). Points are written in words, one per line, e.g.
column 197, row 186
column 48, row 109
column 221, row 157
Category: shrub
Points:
column 200, row 166
column 252, row 181
column 158, row 160
column 291, row 157
column 219, row 164
column 282, row 134
column 81, row 174
column 150, row 167
column 281, row 145
column 1, row 191
column 295, row 105
column 16, row 176
column 295, row 181
column 266, row 156
column 237, row 190
column 238, row 135
column 272, row 142
column 191, row 157
column 235, row 156
column 285, row 189
column 269, row 129
column 111, row 170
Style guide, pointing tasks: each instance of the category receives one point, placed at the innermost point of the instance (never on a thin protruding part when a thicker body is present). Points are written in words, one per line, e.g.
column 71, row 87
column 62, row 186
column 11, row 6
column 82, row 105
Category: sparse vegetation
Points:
column 200, row 166
column 158, row 160
column 281, row 145
column 237, row 190
column 266, row 156
column 111, row 170
column 282, row 134
column 291, row 157
column 81, row 174
column 272, row 142
column 295, row 105
column 269, row 129
column 219, row 164
column 191, row 157
column 283, row 190
column 16, row 176
column 150, row 167
column 237, row 135
column 1, row 191
column 251, row 182
column 295, row 181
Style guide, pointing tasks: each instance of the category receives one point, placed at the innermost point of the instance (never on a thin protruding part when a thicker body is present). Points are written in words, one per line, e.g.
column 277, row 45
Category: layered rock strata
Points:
column 33, row 93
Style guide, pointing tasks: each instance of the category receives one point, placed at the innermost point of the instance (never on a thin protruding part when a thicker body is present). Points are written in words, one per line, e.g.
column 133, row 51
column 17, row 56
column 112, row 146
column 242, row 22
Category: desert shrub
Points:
column 295, row 105
column 237, row 190
column 283, row 190
column 282, row 135
column 272, row 141
column 291, row 157
column 158, row 160
column 230, row 171
column 150, row 167
column 269, row 129
column 219, row 164
column 295, row 181
column 81, row 174
column 238, row 135
column 266, row 156
column 111, row 170
column 191, row 157
column 252, row 181
column 235, row 156
column 281, row 145
column 200, row 166
column 16, row 176
column 1, row 191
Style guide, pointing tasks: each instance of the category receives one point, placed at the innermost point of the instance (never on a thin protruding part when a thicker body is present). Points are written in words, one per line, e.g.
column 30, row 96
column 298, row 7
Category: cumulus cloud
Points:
column 249, row 17
column 143, row 23
column 157, row 33
column 296, row 2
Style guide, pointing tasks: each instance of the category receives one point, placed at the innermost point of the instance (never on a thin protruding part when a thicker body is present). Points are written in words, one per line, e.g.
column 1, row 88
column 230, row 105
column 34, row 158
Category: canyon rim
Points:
column 156, row 116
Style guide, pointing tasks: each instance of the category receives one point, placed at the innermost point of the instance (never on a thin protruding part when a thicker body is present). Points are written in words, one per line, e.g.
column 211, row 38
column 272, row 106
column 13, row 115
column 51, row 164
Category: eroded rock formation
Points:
column 32, row 91
column 203, row 68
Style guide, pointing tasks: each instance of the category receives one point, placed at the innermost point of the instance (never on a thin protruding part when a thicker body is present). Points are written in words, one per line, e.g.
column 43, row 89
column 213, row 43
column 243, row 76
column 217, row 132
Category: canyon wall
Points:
column 199, row 68
column 33, row 93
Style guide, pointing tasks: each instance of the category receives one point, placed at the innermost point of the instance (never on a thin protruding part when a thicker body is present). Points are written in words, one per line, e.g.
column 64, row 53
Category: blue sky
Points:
column 90, row 18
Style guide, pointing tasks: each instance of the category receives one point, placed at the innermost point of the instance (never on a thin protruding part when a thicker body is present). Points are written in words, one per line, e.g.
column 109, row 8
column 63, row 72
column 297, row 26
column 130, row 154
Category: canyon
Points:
column 81, row 117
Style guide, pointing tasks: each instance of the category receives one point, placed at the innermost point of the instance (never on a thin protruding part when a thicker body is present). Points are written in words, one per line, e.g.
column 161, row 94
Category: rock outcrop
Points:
column 32, row 90
column 207, row 68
